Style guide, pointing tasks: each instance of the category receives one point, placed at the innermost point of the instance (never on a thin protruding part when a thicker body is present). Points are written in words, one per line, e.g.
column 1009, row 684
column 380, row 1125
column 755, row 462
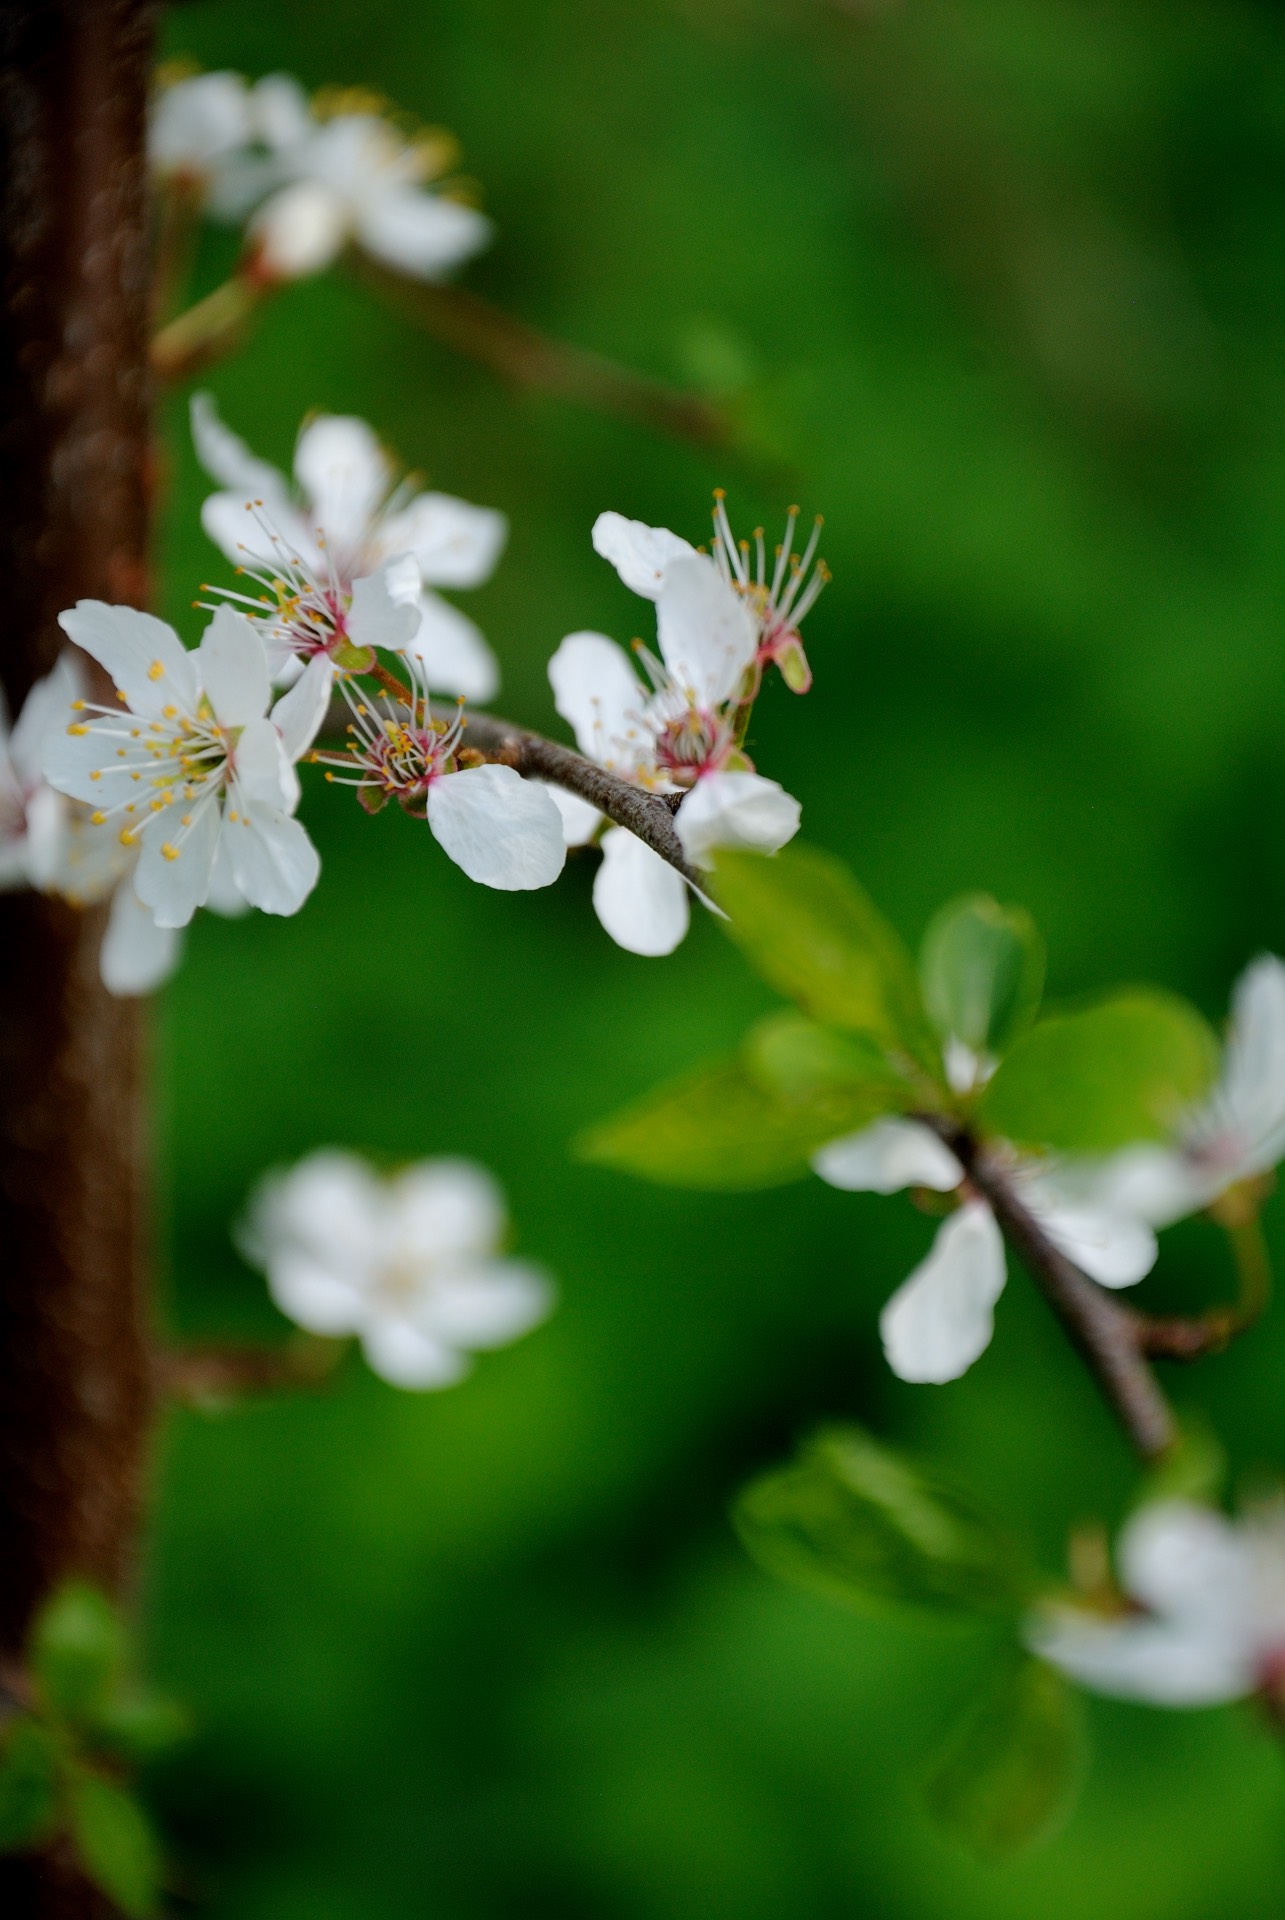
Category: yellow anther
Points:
column 720, row 493
column 78, row 706
column 169, row 712
column 171, row 853
column 186, row 820
column 156, row 671
column 97, row 774
column 127, row 837
column 98, row 818
column 157, row 806
column 77, row 726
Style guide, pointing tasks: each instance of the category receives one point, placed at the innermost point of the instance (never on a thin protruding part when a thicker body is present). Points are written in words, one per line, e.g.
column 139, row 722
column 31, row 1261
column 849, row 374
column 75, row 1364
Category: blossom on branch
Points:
column 1201, row 1618
column 942, row 1317
column 190, row 768
column 350, row 554
column 410, row 1264
column 678, row 733
column 504, row 831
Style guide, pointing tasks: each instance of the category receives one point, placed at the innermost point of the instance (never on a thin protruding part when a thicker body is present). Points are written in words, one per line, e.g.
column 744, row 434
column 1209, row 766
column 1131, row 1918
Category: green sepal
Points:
column 1008, row 1770
column 1120, row 1071
column 982, row 968
column 77, row 1651
column 29, row 1757
column 371, row 797
column 353, row 659
column 793, row 663
column 117, row 1847
column 856, row 1521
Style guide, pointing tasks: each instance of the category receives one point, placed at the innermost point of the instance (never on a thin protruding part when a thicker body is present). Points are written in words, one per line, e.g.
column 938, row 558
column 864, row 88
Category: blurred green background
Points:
column 1000, row 287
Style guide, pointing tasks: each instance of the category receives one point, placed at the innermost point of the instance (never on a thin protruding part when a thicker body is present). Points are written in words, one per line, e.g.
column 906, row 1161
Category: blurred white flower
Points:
column 410, row 1264
column 1207, row 1619
column 502, row 830
column 190, row 765
column 942, row 1317
column 675, row 736
column 32, row 814
column 350, row 175
column 348, row 534
column 198, row 127
column 1237, row 1132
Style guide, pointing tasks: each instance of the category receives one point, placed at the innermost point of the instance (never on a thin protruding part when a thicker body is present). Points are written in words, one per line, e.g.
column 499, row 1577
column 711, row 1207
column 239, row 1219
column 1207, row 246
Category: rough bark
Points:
column 74, row 1392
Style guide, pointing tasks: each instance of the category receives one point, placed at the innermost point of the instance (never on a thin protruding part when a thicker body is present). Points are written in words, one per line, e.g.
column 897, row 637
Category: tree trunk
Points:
column 74, row 1396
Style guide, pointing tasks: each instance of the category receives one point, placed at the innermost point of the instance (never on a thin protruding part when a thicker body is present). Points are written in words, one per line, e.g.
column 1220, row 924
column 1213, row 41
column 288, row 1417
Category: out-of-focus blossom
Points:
column 200, row 126
column 409, row 1264
column 32, row 814
column 1201, row 1619
column 942, row 1317
column 333, row 551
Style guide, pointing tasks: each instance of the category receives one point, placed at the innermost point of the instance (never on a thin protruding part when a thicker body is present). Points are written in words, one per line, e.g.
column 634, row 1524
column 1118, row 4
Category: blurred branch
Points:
column 529, row 359
column 203, row 334
column 648, row 815
column 204, row 1376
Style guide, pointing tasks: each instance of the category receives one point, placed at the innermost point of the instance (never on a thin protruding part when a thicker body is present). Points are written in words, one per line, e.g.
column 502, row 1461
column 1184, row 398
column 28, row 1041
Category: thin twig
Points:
column 202, row 1376
column 650, row 816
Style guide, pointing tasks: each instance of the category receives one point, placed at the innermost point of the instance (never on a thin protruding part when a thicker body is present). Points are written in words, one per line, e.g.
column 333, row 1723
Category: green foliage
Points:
column 807, row 927
column 724, row 1125
column 28, row 1783
column 77, row 1650
column 797, row 1058
column 982, row 968
column 1195, row 1467
column 116, row 1844
column 854, row 1520
column 1009, row 1769
column 1105, row 1076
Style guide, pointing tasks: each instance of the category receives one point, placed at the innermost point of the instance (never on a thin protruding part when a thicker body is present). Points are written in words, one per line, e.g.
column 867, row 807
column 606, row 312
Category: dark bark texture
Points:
column 74, row 1382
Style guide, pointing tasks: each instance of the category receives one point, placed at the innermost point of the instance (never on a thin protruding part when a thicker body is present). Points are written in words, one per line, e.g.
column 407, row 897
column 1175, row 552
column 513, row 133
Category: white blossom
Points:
column 411, row 1264
column 1205, row 1615
column 676, row 735
column 332, row 178
column 199, row 127
column 189, row 767
column 32, row 814
column 941, row 1318
column 349, row 553
column 503, row 831
column 1235, row 1134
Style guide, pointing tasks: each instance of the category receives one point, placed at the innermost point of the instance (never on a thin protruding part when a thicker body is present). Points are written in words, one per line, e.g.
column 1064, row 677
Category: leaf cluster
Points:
column 66, row 1746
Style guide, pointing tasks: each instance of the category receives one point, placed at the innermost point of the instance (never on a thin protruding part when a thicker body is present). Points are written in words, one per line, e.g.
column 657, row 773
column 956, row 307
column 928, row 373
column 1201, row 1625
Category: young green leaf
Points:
column 804, row 923
column 854, row 1520
column 721, row 1127
column 28, row 1784
column 138, row 1725
column 1105, row 1076
column 116, row 1844
column 1009, row 1770
column 982, row 967
column 801, row 1060
column 77, row 1650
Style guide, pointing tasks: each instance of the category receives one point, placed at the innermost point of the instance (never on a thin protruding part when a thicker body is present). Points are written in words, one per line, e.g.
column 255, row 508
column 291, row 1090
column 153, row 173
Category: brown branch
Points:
column 532, row 360
column 213, row 1375
column 648, row 815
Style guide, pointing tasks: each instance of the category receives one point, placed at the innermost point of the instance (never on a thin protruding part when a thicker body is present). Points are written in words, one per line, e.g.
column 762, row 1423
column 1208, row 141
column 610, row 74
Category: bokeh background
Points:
column 997, row 285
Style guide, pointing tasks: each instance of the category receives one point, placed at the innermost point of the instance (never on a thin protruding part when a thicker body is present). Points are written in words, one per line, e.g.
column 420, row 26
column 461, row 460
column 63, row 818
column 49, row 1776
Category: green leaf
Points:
column 77, row 1650
column 1194, row 1468
column 800, row 1060
column 1088, row 1082
column 982, row 967
column 28, row 1784
column 720, row 1127
column 139, row 1725
column 116, row 1844
column 807, row 927
column 1009, row 1770
column 854, row 1520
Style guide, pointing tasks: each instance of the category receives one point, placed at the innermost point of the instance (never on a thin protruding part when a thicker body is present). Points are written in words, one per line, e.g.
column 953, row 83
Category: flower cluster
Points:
column 312, row 176
column 410, row 1265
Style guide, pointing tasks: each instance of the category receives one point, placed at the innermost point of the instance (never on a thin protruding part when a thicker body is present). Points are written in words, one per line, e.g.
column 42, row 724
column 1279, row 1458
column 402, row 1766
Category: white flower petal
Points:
column 274, row 863
column 708, row 636
column 196, row 122
column 942, row 1317
column 1186, row 1560
column 145, row 658
column 378, row 618
column 398, row 1352
column 345, row 475
column 279, row 111
column 638, row 897
column 299, row 230
column 42, row 846
column 486, row 1305
column 639, row 553
column 227, row 458
column 46, row 711
column 446, row 1210
column 237, row 528
column 456, row 544
column 314, row 1294
column 580, row 819
column 887, row 1157
column 136, row 955
column 735, row 810
column 233, row 669
column 330, row 1205
column 1167, row 1663
column 84, row 765
column 502, row 830
column 1111, row 1248
column 264, row 772
column 298, row 714
column 224, row 897
column 1250, row 1098
column 421, row 234
column 455, row 656
column 175, row 884
column 599, row 695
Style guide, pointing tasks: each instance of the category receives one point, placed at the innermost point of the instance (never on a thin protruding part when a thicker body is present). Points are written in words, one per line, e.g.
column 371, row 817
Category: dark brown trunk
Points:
column 73, row 523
